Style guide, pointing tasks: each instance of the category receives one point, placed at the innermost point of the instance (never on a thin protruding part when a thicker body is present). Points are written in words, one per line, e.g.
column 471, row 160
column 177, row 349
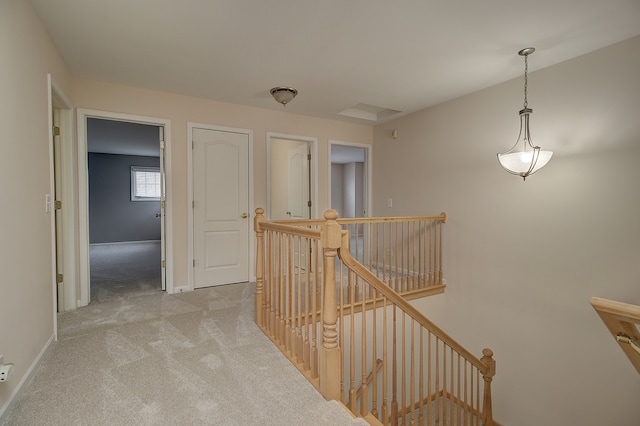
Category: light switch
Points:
column 47, row 203
column 389, row 202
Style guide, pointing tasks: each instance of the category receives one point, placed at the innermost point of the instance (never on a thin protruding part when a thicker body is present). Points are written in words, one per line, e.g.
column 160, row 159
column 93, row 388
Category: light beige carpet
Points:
column 150, row 358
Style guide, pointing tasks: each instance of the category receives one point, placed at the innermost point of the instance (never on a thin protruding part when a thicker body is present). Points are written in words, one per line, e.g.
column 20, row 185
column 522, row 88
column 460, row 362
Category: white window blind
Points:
column 145, row 183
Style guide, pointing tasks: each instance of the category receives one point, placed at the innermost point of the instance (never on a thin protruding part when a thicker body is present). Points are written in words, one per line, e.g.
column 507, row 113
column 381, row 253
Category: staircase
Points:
column 333, row 295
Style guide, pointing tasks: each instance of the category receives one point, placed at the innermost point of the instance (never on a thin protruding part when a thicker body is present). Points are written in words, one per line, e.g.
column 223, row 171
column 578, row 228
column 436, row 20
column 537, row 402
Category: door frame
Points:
column 190, row 220
column 368, row 167
column 57, row 100
column 84, row 296
column 313, row 145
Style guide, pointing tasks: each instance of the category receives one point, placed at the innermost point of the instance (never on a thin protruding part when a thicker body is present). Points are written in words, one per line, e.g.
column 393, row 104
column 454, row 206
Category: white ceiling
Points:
column 371, row 55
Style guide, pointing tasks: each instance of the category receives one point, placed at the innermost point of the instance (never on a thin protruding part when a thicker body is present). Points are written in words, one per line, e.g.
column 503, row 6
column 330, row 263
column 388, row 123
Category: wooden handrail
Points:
column 621, row 320
column 311, row 285
column 405, row 306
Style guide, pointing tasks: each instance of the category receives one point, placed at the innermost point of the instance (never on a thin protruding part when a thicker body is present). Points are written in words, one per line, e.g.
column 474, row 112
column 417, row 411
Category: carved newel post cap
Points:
column 259, row 210
column 487, row 352
column 330, row 214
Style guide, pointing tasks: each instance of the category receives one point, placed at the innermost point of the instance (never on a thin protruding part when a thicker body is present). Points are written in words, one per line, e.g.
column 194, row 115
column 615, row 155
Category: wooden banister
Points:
column 257, row 222
column 337, row 313
column 622, row 320
column 330, row 353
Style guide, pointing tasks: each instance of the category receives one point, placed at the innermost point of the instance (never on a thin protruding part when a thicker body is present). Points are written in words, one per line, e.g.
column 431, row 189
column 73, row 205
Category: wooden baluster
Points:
column 452, row 392
column 342, row 325
column 314, row 310
column 412, row 375
column 352, row 348
column 257, row 220
column 394, row 374
column 384, row 416
column 330, row 237
column 374, row 356
column 306, row 352
column 429, row 375
column 289, row 299
column 299, row 290
column 270, row 282
column 437, row 383
column 421, row 379
column 280, row 277
column 395, row 252
column 440, row 248
column 487, row 412
column 364, row 396
column 401, row 268
column 403, row 376
column 282, row 292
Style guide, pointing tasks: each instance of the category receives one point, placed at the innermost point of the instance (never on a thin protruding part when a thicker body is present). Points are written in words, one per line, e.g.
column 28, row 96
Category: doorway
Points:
column 125, row 215
column 90, row 232
column 291, row 177
column 350, row 189
column 349, row 179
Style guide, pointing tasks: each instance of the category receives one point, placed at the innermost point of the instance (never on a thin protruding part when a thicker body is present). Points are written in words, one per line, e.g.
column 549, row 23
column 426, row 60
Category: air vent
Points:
column 369, row 112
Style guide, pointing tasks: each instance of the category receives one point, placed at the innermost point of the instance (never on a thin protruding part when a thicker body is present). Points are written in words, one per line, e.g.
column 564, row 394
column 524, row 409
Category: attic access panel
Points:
column 622, row 320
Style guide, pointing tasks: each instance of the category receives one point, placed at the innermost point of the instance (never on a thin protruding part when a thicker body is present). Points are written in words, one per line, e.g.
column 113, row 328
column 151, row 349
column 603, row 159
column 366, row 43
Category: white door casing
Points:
column 83, row 295
column 221, row 216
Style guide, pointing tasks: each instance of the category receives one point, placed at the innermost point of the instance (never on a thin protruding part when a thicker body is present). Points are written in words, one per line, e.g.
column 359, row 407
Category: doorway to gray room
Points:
column 125, row 186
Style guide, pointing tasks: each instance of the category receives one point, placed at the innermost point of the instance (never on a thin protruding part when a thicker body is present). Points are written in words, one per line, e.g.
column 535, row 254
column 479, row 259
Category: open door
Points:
column 291, row 177
column 299, row 178
column 163, row 203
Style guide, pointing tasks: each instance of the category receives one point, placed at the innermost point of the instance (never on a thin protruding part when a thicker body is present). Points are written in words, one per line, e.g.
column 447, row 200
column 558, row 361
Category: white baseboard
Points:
column 182, row 289
column 6, row 408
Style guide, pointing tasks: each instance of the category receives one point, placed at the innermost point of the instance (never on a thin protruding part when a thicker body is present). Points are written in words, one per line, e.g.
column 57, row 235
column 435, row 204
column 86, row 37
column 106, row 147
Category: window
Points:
column 145, row 183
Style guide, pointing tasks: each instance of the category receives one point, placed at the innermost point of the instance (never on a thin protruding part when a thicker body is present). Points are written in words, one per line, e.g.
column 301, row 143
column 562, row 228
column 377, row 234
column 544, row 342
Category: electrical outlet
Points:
column 5, row 372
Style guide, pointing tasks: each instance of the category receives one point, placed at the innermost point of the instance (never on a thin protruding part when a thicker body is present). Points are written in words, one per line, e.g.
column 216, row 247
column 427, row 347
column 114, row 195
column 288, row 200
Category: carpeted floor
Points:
column 138, row 356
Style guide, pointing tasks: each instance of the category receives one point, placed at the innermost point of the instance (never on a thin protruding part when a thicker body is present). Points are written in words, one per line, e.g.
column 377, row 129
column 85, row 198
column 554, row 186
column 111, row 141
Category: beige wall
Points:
column 26, row 288
column 181, row 109
column 523, row 258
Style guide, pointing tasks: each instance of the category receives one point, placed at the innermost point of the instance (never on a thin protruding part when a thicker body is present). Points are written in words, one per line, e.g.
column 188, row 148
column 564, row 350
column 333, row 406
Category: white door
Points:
column 221, row 222
column 163, row 203
column 298, row 161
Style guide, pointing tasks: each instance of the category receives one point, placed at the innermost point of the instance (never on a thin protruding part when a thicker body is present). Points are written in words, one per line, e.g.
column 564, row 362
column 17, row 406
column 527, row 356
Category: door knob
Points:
column 244, row 215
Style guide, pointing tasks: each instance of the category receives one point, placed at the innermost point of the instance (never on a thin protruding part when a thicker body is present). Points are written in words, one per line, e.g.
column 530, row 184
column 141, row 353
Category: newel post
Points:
column 257, row 221
column 330, row 355
column 487, row 359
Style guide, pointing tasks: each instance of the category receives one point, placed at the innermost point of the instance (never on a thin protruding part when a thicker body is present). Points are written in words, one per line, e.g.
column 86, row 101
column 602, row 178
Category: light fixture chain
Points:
column 526, row 80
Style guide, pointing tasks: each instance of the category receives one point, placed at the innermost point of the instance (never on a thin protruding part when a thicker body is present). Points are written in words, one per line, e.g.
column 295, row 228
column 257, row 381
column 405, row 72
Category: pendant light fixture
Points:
column 524, row 159
column 283, row 95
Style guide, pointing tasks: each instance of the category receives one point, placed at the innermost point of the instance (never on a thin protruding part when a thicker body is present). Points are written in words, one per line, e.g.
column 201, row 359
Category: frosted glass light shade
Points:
column 283, row 95
column 521, row 163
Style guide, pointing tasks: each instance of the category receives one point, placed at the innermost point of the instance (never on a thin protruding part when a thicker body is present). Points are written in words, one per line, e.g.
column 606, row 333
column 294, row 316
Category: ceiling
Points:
column 121, row 137
column 373, row 60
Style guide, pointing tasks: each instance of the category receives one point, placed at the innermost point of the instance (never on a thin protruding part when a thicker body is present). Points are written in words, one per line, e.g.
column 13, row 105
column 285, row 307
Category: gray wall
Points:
column 113, row 217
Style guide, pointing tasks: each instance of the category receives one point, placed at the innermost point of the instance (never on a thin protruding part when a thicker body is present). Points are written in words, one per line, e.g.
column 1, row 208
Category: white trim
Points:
column 368, row 164
column 314, row 168
column 252, row 255
column 5, row 411
column 83, row 191
column 57, row 100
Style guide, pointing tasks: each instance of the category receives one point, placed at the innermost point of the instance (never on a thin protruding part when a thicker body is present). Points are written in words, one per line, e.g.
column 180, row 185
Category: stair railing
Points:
column 360, row 320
